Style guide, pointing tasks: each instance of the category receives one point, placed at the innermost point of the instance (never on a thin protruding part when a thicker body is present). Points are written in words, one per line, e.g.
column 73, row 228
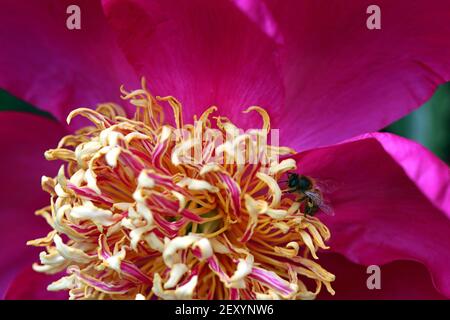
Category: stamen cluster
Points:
column 145, row 209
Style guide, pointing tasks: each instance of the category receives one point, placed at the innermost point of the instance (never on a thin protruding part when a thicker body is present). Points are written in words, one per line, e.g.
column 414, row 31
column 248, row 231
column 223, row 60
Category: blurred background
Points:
column 428, row 125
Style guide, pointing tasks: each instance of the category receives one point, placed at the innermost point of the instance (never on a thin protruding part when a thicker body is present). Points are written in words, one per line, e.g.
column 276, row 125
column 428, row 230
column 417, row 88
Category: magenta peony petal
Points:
column 54, row 68
column 30, row 285
column 202, row 52
column 430, row 175
column 382, row 214
column 398, row 280
column 23, row 140
column 342, row 79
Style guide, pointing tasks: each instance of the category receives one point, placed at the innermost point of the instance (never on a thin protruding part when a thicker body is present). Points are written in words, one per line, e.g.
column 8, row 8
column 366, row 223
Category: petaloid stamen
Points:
column 142, row 209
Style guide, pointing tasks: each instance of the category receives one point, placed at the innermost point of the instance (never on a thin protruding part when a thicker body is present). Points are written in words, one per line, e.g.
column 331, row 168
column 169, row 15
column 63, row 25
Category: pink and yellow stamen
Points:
column 140, row 211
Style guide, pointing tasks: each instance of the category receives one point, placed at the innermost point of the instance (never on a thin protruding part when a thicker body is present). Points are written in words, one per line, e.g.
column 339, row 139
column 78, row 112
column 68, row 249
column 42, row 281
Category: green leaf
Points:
column 10, row 103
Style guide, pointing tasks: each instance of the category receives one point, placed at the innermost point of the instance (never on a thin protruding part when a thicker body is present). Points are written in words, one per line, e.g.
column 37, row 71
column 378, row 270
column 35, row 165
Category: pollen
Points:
column 144, row 208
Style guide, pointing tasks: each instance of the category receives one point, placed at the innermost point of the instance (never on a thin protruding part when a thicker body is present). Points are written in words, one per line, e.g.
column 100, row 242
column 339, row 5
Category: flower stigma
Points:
column 148, row 209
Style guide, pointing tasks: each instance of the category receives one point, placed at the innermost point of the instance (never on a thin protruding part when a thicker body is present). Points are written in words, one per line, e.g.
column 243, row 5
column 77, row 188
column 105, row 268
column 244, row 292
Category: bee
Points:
column 311, row 194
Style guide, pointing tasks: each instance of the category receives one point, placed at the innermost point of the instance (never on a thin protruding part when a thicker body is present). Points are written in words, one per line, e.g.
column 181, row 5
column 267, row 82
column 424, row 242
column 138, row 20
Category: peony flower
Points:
column 131, row 214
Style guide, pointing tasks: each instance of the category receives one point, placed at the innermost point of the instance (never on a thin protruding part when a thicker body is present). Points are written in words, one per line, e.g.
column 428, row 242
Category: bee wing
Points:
column 327, row 208
column 315, row 197
column 327, row 185
column 322, row 203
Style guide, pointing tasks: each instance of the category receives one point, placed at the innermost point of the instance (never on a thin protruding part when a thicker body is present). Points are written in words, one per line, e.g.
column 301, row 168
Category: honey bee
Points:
column 311, row 194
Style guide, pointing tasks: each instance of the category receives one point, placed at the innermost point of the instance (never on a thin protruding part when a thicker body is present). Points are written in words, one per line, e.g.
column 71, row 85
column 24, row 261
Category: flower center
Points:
column 146, row 209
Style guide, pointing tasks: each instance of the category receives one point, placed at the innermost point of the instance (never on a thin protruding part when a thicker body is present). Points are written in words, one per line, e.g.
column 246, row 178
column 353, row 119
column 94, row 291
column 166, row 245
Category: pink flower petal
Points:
column 382, row 214
column 430, row 175
column 202, row 52
column 23, row 140
column 54, row 68
column 399, row 280
column 342, row 79
column 30, row 285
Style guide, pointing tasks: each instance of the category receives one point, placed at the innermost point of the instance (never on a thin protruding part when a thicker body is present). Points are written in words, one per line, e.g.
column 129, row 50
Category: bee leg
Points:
column 307, row 212
column 307, row 205
column 309, row 209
